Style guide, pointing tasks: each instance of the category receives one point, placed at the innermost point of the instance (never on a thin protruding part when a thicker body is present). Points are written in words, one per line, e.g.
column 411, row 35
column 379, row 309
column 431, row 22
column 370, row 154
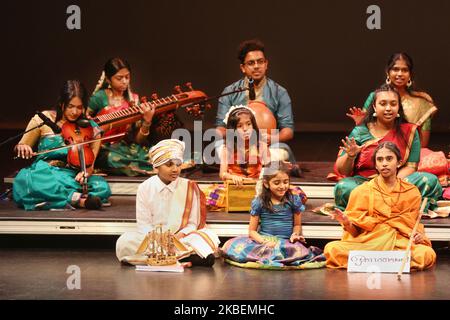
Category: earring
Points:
column 374, row 114
column 409, row 83
column 398, row 115
column 388, row 80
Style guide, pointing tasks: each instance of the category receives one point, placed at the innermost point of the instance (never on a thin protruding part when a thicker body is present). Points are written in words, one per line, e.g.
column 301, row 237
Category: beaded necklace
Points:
column 393, row 204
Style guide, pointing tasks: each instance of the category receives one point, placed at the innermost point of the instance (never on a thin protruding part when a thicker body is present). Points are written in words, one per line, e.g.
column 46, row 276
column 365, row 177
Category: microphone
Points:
column 49, row 122
column 251, row 89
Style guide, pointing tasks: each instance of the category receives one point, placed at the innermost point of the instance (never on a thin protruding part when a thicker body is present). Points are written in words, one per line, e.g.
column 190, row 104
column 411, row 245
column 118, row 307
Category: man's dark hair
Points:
column 247, row 46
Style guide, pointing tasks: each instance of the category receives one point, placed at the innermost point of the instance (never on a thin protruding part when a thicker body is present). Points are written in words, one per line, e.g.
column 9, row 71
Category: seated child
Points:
column 173, row 202
column 275, row 237
column 244, row 152
column 241, row 156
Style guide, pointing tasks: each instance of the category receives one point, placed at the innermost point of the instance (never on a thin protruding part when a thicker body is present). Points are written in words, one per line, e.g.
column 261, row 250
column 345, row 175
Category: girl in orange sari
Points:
column 381, row 215
column 244, row 153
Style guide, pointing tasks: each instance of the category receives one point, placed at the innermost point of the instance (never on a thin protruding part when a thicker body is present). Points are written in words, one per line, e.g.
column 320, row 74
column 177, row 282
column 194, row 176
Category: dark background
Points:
column 322, row 51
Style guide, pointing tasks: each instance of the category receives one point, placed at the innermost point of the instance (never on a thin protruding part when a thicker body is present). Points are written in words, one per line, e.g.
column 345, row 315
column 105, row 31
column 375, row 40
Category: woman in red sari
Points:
column 384, row 122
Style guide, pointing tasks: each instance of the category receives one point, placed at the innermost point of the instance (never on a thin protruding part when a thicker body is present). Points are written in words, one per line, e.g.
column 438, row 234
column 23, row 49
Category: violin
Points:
column 79, row 156
column 112, row 117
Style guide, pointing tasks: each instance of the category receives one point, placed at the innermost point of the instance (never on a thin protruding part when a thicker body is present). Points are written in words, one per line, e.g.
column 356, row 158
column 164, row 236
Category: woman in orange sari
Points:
column 381, row 215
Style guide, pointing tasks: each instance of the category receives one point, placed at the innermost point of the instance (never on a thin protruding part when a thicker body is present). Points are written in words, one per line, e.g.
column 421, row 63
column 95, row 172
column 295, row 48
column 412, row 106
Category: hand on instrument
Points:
column 350, row 147
column 81, row 176
column 148, row 111
column 24, row 151
column 237, row 180
column 357, row 114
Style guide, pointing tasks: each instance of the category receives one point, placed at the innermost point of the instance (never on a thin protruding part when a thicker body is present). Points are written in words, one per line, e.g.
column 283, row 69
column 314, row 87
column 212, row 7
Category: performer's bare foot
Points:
column 186, row 264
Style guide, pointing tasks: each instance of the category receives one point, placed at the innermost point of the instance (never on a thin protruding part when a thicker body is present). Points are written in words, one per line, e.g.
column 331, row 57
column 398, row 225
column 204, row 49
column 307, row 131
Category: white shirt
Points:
column 153, row 202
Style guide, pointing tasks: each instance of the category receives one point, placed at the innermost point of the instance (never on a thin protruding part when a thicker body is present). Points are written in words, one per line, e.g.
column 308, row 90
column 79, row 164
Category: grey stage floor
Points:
column 41, row 274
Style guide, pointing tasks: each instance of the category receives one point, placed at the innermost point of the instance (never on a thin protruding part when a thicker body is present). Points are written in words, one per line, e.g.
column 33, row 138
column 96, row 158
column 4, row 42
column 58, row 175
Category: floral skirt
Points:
column 247, row 253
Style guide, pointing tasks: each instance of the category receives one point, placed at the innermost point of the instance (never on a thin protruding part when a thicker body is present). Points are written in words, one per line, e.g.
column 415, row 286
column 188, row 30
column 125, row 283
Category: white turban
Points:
column 166, row 150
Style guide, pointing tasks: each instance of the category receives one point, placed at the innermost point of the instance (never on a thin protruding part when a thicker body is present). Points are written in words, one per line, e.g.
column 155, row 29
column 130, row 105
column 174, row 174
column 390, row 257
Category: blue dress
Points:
column 275, row 226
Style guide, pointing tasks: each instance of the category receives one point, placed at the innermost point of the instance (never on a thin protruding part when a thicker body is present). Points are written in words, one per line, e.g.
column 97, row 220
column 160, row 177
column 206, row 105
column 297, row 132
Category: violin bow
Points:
column 83, row 169
column 78, row 144
column 411, row 237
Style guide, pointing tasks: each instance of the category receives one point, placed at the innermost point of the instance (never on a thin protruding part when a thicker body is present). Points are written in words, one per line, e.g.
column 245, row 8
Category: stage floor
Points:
column 41, row 274
column 51, row 241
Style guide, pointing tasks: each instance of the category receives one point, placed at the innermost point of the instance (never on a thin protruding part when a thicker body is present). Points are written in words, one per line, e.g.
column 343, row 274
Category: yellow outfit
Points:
column 386, row 219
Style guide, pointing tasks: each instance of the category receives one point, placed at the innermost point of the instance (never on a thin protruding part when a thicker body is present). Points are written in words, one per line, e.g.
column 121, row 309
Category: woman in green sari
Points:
column 49, row 183
column 384, row 122
column 128, row 156
column 418, row 106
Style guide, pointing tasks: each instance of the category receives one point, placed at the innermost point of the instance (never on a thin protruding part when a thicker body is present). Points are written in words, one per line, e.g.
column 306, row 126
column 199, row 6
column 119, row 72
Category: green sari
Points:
column 124, row 157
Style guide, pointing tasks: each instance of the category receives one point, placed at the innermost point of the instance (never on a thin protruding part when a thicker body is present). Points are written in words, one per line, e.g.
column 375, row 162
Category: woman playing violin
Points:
column 50, row 182
column 129, row 155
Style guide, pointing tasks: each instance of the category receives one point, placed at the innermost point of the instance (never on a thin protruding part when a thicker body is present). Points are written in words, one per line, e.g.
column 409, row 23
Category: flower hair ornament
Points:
column 233, row 108
column 100, row 82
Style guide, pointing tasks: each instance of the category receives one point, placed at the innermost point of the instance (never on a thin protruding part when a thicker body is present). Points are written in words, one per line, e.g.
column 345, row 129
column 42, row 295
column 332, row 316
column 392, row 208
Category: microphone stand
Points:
column 21, row 134
column 204, row 166
column 214, row 98
column 4, row 195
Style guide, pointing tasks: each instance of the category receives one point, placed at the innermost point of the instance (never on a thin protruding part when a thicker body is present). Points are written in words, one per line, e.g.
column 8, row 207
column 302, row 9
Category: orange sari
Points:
column 248, row 164
column 386, row 219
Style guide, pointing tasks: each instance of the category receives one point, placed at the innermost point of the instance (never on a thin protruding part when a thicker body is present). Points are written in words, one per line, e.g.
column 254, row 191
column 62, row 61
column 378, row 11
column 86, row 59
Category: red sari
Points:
column 364, row 165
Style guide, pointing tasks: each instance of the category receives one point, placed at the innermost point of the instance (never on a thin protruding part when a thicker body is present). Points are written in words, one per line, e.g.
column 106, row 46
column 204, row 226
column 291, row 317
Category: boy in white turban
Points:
column 173, row 202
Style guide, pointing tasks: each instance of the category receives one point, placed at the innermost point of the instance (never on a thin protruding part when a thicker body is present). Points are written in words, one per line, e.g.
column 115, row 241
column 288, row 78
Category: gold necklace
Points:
column 115, row 101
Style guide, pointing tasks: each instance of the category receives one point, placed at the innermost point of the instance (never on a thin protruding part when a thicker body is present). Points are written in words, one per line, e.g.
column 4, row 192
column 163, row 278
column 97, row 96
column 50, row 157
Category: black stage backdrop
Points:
column 321, row 51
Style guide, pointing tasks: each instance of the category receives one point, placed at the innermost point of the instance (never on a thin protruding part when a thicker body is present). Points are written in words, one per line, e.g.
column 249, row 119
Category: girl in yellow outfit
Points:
column 381, row 215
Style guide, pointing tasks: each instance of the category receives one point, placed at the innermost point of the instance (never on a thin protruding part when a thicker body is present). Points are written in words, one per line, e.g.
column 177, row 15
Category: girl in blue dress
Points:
column 275, row 239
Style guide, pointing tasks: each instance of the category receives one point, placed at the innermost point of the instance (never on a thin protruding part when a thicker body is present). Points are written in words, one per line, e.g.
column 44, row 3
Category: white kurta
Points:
column 154, row 202
column 161, row 204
